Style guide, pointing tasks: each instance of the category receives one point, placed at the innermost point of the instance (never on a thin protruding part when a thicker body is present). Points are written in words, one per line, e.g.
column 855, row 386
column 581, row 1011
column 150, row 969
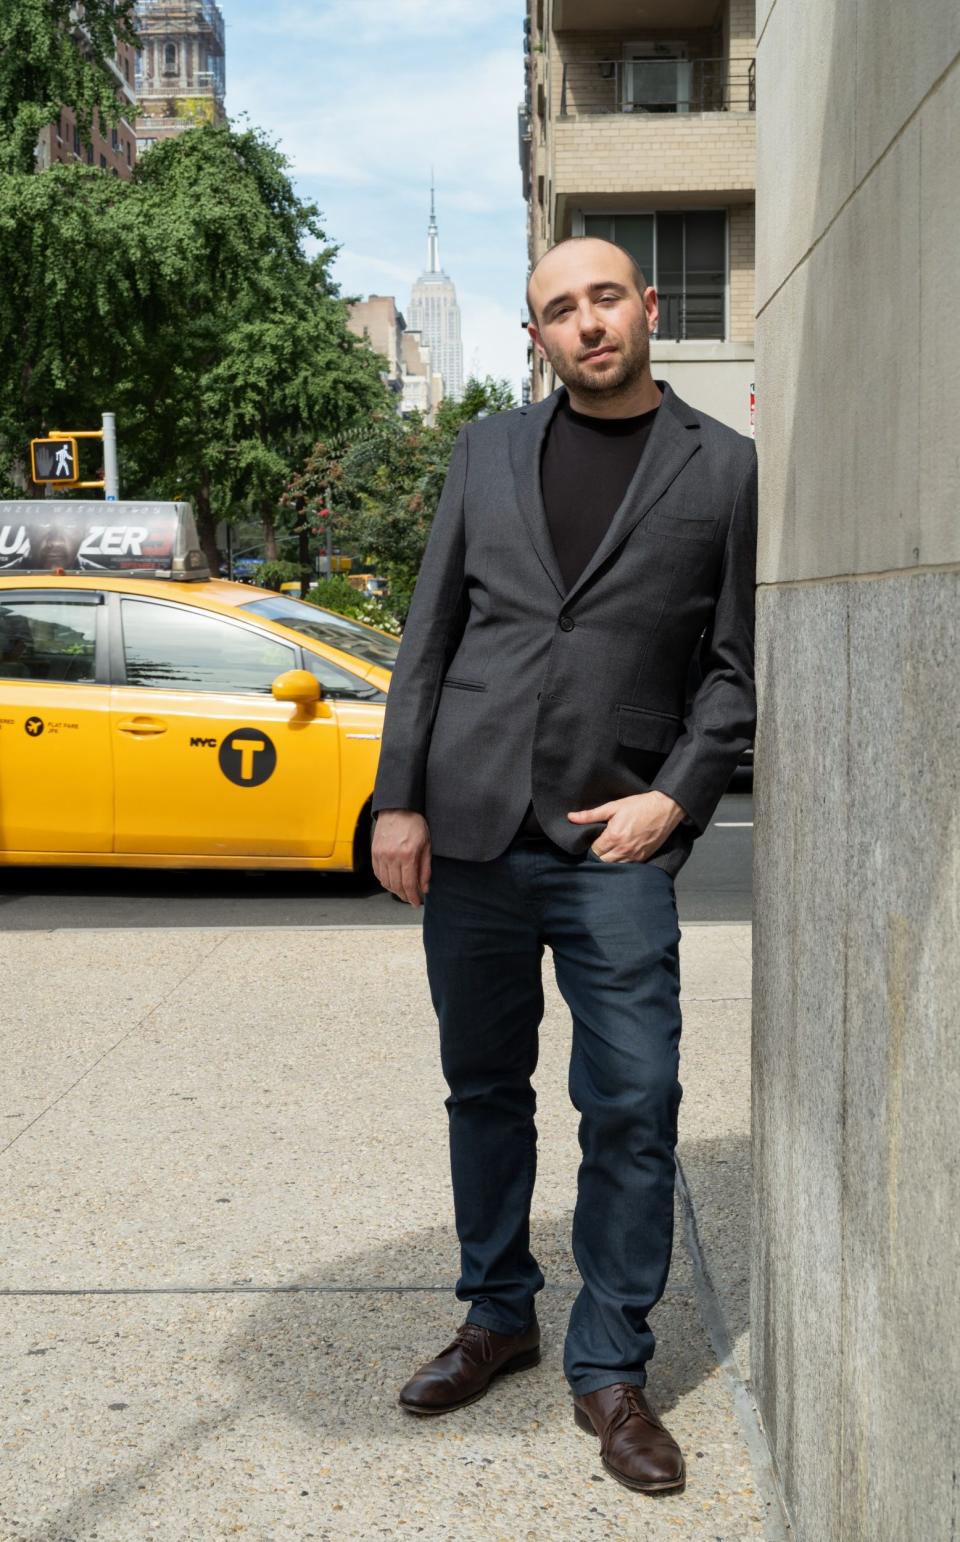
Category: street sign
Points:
column 55, row 460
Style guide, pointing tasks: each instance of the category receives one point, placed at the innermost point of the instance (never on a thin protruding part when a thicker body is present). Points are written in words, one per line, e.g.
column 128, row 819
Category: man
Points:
column 543, row 775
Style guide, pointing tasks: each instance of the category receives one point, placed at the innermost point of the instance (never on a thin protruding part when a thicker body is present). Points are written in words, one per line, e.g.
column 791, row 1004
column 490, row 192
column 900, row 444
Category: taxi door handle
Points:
column 142, row 727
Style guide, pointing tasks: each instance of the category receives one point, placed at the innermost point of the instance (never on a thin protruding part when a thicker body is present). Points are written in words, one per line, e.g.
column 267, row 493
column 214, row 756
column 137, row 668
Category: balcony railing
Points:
column 591, row 87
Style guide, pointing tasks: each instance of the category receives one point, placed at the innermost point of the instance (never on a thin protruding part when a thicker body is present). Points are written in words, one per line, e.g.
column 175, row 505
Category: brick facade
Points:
column 113, row 150
column 742, row 299
column 652, row 154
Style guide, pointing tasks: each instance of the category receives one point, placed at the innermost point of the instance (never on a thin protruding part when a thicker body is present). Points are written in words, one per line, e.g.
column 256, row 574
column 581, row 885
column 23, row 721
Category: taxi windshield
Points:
column 327, row 627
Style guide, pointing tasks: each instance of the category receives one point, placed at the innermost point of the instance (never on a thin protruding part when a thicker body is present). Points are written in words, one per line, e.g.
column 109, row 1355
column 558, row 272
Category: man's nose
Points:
column 590, row 322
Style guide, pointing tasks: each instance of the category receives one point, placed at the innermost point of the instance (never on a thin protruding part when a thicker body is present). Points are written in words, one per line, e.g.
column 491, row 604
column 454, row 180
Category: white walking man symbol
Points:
column 64, row 465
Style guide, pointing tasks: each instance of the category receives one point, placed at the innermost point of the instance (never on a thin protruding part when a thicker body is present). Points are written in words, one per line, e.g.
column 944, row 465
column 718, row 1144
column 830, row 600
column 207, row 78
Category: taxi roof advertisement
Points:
column 50, row 535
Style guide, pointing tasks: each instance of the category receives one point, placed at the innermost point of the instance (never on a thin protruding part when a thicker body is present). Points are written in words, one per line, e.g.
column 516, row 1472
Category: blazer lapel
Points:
column 526, row 450
column 673, row 439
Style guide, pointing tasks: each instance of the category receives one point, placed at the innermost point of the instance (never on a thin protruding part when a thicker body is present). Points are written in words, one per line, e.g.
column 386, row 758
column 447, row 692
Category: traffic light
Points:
column 55, row 460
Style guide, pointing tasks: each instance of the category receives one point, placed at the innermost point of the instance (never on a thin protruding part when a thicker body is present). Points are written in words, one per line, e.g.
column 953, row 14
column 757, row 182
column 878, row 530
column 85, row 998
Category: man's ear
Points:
column 535, row 335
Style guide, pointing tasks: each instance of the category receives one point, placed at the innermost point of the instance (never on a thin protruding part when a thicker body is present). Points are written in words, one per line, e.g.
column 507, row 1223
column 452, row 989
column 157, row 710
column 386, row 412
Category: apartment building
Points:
column 112, row 149
column 638, row 124
column 409, row 374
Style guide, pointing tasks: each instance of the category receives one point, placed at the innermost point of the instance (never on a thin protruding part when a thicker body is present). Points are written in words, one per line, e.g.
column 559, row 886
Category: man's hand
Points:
column 636, row 827
column 401, row 854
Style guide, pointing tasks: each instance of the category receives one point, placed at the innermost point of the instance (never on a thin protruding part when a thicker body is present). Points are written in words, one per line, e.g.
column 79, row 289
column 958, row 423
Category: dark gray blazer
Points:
column 507, row 686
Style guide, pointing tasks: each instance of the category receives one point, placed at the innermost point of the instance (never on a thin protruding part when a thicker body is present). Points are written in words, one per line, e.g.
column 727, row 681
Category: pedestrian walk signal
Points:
column 55, row 460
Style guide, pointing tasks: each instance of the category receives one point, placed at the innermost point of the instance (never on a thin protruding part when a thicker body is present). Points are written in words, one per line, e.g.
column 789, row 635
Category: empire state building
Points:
column 435, row 314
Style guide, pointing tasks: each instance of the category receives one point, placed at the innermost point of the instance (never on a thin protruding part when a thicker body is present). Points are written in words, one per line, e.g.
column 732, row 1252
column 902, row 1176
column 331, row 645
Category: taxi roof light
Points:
column 139, row 539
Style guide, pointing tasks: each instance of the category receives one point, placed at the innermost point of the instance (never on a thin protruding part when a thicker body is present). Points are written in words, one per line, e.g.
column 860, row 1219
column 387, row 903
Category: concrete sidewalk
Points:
column 226, row 1240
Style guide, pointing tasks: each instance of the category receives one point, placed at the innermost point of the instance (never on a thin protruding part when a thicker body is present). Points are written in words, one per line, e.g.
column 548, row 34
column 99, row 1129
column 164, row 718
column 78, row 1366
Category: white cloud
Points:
column 393, row 123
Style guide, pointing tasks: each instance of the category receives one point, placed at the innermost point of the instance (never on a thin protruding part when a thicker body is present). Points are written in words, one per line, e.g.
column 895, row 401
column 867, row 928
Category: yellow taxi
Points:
column 151, row 716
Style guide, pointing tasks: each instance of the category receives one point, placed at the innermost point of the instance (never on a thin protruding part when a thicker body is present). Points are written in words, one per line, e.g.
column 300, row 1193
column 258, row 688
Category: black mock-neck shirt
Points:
column 585, row 470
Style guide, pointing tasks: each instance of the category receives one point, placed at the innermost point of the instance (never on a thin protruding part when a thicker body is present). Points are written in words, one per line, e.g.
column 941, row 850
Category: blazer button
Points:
column 567, row 623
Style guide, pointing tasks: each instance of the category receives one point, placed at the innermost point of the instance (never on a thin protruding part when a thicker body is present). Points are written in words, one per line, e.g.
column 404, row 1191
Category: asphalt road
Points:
column 715, row 885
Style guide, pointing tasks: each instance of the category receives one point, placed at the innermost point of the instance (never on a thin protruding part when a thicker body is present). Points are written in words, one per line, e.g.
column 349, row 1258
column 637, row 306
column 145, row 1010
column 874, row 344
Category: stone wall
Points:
column 856, row 1347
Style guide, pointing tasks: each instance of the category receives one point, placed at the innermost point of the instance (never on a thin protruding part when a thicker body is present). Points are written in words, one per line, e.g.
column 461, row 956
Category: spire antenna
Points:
column 433, row 235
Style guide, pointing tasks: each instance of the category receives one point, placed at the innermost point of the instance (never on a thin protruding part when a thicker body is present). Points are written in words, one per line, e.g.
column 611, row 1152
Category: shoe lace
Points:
column 631, row 1403
column 473, row 1338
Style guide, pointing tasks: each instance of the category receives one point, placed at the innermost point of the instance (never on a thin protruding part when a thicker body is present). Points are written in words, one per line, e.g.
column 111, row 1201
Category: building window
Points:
column 89, row 155
column 103, row 161
column 683, row 254
column 169, row 58
column 129, row 153
column 76, row 142
column 114, row 140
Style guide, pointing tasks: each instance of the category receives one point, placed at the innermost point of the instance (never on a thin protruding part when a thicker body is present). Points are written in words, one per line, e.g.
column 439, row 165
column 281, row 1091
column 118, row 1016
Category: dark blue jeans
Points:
column 612, row 928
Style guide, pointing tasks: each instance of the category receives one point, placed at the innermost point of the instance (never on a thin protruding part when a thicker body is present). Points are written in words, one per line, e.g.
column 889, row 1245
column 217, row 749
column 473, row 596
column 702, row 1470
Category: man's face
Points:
column 592, row 323
column 57, row 545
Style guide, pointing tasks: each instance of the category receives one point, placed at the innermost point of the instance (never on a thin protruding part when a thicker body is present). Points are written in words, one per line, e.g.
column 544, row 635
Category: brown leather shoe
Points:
column 463, row 1371
column 634, row 1446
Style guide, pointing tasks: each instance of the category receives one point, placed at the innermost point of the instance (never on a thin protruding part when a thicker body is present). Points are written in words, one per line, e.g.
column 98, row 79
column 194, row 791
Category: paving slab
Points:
column 229, row 1227
column 171, row 1417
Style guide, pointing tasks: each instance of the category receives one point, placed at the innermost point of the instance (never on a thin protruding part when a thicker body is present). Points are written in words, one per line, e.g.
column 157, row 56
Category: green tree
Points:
column 479, row 399
column 184, row 301
column 50, row 58
column 388, row 484
column 71, row 318
column 237, row 391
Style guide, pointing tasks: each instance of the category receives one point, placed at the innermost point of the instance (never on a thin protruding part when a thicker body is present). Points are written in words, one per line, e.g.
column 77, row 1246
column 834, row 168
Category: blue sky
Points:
column 363, row 96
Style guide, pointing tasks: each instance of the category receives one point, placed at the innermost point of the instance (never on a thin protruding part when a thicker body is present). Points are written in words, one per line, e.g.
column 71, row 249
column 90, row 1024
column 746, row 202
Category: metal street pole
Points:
column 111, row 474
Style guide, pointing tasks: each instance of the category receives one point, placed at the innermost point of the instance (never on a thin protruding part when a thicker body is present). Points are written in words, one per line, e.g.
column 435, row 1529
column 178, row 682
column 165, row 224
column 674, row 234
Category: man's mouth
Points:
column 597, row 353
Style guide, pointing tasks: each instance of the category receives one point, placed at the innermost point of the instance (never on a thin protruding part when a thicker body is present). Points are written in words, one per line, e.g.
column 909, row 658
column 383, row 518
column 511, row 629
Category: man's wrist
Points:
column 675, row 813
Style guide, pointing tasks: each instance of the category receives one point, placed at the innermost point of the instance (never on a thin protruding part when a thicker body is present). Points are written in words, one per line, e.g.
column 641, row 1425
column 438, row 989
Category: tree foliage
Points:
column 70, row 316
column 387, row 484
column 52, row 53
column 184, row 301
column 239, row 389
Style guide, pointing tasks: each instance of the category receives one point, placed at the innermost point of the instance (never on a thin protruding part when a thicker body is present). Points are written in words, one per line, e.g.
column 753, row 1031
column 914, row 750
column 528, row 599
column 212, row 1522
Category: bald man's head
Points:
column 540, row 273
column 591, row 316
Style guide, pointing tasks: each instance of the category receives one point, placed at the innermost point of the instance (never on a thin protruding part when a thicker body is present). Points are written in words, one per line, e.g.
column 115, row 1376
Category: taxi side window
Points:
column 338, row 683
column 179, row 649
column 48, row 639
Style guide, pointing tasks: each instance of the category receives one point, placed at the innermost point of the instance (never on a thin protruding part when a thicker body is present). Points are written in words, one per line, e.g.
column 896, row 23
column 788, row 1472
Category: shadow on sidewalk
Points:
column 718, row 1174
column 330, row 1360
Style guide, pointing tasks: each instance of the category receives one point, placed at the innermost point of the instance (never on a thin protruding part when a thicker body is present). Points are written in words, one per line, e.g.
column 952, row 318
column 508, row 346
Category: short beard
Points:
column 630, row 367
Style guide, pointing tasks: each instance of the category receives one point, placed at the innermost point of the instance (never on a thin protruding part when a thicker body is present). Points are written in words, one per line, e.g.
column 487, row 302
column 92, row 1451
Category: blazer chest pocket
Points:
column 683, row 526
column 639, row 728
column 465, row 685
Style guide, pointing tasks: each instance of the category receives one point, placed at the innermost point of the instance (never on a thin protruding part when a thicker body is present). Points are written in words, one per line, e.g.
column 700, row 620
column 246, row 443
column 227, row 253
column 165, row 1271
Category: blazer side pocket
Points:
column 465, row 685
column 641, row 728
